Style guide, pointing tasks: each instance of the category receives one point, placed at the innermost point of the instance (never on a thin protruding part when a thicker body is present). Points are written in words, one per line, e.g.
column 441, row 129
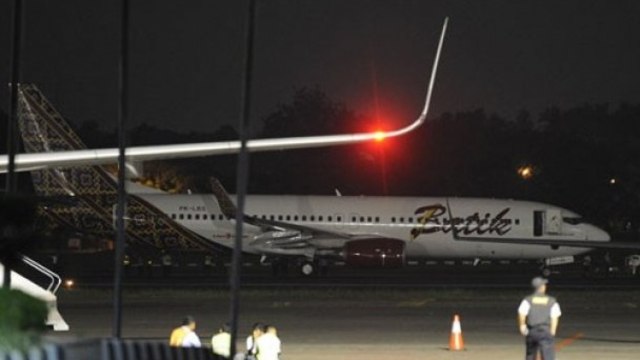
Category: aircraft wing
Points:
column 35, row 161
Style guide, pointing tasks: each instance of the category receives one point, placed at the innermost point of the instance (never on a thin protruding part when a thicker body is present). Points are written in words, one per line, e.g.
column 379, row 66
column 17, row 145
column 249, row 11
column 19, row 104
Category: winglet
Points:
column 434, row 70
column 427, row 101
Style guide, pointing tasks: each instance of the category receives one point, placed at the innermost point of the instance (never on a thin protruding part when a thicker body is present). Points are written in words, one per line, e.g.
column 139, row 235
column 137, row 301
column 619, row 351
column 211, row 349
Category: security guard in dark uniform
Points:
column 538, row 317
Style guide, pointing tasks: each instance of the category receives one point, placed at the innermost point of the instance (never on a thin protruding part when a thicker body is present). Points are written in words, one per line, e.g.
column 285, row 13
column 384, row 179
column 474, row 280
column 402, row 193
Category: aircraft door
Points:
column 538, row 223
column 547, row 222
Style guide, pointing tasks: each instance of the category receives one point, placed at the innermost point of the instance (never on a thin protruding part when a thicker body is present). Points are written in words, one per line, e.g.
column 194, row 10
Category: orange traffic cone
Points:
column 455, row 340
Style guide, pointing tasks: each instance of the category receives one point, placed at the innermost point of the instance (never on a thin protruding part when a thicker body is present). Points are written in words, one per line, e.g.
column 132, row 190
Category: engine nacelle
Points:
column 375, row 252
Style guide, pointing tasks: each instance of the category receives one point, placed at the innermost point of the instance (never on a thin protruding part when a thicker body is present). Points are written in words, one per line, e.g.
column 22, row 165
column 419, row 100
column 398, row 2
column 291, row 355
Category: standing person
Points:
column 221, row 342
column 538, row 317
column 268, row 346
column 185, row 335
column 256, row 331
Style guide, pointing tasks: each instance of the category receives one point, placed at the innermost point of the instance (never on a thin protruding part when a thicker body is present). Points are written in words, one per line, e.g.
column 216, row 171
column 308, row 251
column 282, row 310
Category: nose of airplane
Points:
column 596, row 234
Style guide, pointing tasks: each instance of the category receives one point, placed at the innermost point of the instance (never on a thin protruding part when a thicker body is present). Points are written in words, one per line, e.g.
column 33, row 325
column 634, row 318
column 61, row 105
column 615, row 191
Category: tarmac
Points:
column 370, row 323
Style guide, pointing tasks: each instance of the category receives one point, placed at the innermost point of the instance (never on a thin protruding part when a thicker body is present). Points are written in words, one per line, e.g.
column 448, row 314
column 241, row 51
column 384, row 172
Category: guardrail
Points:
column 55, row 278
column 111, row 349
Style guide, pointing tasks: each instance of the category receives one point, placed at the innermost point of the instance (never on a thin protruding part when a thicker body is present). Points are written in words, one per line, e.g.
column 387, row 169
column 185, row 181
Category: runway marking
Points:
column 568, row 341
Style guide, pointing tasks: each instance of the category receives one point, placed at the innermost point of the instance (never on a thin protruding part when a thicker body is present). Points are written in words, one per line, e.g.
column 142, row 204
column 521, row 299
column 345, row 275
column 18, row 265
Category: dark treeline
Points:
column 584, row 158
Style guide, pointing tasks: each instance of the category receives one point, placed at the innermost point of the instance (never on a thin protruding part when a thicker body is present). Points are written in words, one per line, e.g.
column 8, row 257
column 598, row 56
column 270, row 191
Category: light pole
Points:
column 242, row 175
column 16, row 47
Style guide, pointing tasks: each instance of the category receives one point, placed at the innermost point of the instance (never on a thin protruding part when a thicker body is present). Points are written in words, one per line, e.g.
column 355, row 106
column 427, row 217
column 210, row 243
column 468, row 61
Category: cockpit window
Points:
column 573, row 220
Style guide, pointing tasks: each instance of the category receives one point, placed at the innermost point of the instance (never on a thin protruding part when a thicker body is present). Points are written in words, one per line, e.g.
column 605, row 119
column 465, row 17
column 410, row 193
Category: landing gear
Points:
column 314, row 268
column 304, row 267
column 308, row 268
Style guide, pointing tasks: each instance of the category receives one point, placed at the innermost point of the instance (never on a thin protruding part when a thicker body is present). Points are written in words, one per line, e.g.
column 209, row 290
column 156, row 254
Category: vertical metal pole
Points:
column 242, row 176
column 16, row 47
column 123, row 111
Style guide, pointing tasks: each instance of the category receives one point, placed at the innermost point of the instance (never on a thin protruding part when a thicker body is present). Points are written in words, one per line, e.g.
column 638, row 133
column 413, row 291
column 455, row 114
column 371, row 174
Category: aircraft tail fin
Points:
column 42, row 127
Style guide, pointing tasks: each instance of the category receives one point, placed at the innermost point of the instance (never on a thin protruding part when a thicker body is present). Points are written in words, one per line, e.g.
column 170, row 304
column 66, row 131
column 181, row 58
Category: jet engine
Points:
column 375, row 253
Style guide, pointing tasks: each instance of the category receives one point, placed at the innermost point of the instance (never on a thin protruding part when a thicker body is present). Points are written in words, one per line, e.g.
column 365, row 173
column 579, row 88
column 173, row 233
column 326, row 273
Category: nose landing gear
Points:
column 307, row 268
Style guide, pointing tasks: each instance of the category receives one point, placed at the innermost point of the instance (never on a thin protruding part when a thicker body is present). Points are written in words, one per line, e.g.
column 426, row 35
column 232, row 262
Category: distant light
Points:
column 525, row 172
column 380, row 136
column 69, row 283
column 613, row 181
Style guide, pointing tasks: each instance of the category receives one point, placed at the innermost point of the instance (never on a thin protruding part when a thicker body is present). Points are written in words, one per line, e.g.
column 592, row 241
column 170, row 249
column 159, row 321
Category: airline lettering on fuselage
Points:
column 431, row 220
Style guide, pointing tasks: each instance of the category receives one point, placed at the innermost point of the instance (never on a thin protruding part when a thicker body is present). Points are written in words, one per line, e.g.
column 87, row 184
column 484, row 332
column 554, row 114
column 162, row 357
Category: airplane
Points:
column 360, row 231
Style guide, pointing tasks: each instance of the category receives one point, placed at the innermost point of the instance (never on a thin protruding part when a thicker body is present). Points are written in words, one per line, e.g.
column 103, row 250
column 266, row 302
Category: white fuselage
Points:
column 422, row 222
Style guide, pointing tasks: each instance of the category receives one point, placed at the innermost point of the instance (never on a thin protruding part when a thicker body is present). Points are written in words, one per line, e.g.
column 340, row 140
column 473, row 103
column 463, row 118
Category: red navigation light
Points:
column 380, row 136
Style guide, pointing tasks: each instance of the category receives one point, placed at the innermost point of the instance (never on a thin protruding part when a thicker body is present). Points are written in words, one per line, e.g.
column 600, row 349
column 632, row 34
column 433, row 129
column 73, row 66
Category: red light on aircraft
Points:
column 380, row 136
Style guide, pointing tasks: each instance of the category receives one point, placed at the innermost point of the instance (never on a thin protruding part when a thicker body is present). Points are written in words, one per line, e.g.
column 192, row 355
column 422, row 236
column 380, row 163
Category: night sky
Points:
column 186, row 56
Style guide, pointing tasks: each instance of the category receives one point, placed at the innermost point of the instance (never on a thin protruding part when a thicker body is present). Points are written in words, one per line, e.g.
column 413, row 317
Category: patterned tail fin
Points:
column 41, row 125
column 43, row 129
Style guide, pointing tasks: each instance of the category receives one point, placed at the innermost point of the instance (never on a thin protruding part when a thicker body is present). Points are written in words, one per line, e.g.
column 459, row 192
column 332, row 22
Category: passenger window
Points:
column 369, row 219
column 312, row 218
column 361, row 218
column 339, row 218
column 295, row 217
column 393, row 219
column 320, row 218
column 173, row 216
column 401, row 219
column 377, row 219
column 353, row 219
column 189, row 216
column 410, row 219
column 220, row 217
column 197, row 216
column 304, row 217
column 288, row 217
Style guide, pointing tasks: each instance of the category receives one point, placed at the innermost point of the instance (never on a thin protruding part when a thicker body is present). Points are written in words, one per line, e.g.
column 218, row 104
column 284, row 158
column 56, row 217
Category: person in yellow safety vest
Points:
column 185, row 335
column 268, row 346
